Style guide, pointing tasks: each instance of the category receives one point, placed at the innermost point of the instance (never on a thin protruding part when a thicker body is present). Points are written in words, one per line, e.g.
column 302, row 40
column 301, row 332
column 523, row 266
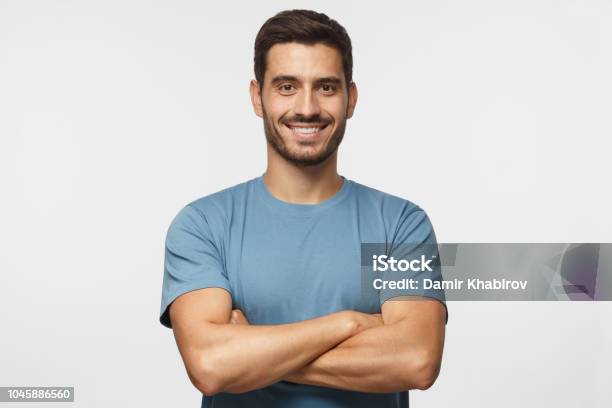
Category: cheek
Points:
column 277, row 107
column 336, row 107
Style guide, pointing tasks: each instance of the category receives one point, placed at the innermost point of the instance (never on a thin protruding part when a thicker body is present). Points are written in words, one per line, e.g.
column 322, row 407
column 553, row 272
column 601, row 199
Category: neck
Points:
column 301, row 184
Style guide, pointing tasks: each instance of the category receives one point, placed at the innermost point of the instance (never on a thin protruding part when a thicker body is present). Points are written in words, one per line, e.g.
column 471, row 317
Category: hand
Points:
column 364, row 321
column 237, row 317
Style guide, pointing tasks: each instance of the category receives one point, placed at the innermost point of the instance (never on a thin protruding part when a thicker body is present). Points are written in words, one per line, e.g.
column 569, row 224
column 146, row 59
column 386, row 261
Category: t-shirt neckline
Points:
column 301, row 209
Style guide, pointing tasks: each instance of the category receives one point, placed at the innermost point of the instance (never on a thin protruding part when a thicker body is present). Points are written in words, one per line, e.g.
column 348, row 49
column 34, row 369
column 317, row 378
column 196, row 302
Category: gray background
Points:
column 493, row 116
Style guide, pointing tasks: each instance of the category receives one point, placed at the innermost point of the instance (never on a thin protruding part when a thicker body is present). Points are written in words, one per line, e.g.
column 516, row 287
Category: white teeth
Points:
column 305, row 130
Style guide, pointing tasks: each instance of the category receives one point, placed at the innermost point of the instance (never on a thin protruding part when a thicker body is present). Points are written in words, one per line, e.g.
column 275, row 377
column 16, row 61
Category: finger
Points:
column 234, row 317
column 238, row 317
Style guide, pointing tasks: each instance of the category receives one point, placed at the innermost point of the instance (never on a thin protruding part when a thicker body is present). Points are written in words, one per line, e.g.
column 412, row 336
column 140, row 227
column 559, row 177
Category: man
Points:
column 262, row 282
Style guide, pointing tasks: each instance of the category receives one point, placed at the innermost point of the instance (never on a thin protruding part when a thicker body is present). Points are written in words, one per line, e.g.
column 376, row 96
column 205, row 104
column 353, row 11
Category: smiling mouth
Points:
column 306, row 130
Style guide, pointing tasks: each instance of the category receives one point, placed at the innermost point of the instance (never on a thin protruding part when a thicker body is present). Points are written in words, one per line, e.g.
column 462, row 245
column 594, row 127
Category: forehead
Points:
column 303, row 61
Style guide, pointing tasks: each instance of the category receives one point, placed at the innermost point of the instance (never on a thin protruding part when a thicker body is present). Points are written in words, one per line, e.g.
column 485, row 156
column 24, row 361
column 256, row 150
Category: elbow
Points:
column 208, row 377
column 427, row 372
column 426, row 379
column 208, row 386
column 423, row 372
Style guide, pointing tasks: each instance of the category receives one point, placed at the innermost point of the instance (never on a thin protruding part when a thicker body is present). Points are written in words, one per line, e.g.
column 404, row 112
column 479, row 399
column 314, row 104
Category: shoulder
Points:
column 218, row 203
column 402, row 217
column 390, row 205
column 212, row 211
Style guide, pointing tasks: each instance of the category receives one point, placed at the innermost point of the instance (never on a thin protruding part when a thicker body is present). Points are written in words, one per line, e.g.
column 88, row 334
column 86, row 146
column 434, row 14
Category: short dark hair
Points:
column 304, row 27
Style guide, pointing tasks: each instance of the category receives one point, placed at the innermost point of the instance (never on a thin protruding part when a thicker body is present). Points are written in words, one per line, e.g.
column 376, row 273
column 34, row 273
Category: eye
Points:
column 286, row 88
column 328, row 88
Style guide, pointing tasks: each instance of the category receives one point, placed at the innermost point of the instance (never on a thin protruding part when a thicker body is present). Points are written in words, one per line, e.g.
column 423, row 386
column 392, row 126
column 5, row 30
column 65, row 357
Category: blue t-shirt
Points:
column 284, row 263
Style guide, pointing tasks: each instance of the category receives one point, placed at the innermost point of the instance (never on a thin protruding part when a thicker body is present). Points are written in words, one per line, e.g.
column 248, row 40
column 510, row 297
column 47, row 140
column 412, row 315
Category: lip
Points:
column 307, row 125
column 297, row 133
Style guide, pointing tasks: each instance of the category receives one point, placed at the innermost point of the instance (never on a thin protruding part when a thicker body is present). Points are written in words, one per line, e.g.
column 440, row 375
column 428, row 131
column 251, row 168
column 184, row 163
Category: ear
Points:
column 256, row 97
column 352, row 100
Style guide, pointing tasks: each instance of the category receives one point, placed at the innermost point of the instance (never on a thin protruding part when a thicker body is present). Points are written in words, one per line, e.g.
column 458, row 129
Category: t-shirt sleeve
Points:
column 415, row 240
column 192, row 259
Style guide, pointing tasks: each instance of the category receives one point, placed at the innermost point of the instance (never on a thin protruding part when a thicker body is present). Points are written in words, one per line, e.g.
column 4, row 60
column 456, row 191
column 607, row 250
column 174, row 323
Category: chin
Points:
column 306, row 154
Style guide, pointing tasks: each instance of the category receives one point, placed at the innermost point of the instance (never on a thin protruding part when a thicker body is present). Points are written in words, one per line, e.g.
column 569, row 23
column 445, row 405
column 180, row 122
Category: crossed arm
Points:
column 400, row 349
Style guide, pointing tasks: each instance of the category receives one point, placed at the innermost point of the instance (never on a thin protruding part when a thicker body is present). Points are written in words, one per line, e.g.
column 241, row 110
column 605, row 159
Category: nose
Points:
column 307, row 104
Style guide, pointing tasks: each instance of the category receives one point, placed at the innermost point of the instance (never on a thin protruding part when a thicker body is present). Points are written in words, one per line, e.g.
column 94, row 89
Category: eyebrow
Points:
column 290, row 78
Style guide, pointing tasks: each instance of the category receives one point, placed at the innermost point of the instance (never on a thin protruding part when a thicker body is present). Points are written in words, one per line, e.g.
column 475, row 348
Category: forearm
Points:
column 239, row 358
column 379, row 359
